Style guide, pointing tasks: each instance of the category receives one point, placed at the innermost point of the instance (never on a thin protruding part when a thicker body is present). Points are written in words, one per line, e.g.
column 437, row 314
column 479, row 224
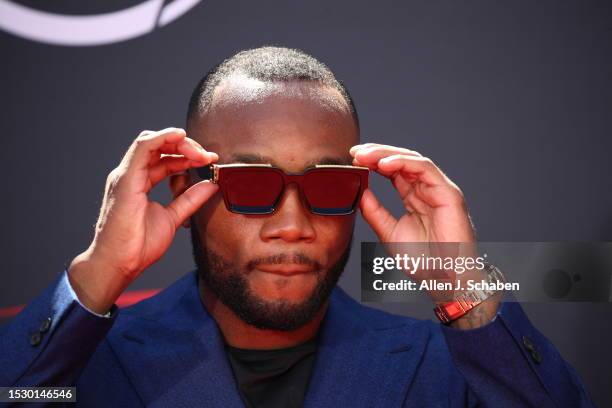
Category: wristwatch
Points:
column 468, row 299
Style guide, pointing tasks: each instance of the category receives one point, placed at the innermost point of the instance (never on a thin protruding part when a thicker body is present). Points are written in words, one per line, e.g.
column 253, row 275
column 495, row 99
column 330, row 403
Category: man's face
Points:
column 274, row 271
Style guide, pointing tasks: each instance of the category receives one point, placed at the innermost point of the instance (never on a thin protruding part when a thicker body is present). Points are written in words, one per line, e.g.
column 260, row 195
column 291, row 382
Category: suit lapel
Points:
column 177, row 358
column 173, row 354
column 361, row 361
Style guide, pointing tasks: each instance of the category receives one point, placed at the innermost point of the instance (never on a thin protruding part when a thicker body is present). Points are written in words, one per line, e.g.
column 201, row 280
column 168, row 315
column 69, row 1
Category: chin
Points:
column 293, row 289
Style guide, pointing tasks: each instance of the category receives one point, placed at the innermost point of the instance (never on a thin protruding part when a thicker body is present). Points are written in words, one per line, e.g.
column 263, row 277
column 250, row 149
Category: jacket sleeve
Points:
column 508, row 362
column 51, row 340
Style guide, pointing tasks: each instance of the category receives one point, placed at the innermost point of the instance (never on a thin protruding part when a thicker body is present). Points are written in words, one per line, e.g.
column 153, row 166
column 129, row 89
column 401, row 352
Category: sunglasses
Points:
column 258, row 188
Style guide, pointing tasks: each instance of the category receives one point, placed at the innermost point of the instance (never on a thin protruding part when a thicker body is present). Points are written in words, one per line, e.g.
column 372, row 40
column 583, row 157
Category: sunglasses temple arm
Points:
column 206, row 172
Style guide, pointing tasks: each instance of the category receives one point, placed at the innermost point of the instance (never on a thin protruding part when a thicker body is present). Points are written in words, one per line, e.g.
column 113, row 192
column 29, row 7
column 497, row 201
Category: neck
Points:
column 240, row 334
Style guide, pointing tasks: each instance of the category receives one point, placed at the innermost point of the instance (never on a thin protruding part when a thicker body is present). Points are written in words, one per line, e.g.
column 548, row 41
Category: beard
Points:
column 229, row 283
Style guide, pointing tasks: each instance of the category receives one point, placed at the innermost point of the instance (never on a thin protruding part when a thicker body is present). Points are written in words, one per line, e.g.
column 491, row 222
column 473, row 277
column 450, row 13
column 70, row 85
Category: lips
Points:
column 285, row 269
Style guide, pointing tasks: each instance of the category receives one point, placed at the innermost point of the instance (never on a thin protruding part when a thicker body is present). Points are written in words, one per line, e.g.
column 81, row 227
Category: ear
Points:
column 178, row 184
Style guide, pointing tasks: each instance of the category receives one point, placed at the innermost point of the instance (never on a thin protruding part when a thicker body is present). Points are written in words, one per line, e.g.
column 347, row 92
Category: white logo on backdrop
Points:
column 90, row 30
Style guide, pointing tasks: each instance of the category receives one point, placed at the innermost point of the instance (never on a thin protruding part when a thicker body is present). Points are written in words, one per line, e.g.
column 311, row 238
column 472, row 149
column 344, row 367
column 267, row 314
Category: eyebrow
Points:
column 250, row 158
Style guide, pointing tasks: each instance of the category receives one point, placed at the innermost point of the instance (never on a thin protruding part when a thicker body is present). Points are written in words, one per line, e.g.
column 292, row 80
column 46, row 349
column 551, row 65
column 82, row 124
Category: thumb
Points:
column 183, row 206
column 379, row 218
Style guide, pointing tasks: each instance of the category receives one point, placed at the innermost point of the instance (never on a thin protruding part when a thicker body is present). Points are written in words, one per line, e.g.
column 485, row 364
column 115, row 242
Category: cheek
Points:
column 334, row 234
column 224, row 232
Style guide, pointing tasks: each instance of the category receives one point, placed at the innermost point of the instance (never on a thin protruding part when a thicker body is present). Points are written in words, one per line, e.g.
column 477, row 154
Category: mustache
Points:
column 295, row 258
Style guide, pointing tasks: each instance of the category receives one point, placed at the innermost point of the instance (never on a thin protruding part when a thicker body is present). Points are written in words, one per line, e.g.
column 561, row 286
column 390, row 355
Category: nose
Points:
column 291, row 220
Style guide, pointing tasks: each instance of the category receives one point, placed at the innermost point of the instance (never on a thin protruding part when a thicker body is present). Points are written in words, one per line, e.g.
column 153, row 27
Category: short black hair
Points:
column 268, row 64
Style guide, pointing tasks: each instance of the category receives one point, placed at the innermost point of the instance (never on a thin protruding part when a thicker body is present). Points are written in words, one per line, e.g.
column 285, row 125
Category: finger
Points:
column 140, row 152
column 149, row 144
column 412, row 200
column 422, row 167
column 405, row 189
column 369, row 156
column 142, row 134
column 168, row 165
column 187, row 203
column 193, row 150
column 360, row 146
column 187, row 147
column 368, row 148
column 379, row 218
column 187, row 144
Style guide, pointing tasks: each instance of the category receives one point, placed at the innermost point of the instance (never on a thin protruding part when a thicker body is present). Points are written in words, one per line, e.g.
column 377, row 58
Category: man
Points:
column 261, row 323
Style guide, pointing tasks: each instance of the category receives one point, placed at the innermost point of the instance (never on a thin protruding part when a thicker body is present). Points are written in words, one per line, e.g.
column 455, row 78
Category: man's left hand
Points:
column 435, row 207
column 436, row 210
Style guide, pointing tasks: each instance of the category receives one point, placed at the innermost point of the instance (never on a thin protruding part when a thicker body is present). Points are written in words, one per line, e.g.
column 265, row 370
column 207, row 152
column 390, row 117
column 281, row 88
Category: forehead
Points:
column 289, row 124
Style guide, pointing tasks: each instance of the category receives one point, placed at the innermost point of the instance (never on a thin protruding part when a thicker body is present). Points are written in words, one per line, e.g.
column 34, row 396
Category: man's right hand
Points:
column 132, row 231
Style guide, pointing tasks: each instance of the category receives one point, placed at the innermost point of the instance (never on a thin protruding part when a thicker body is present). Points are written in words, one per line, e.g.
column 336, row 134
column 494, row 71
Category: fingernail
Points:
column 352, row 150
column 387, row 159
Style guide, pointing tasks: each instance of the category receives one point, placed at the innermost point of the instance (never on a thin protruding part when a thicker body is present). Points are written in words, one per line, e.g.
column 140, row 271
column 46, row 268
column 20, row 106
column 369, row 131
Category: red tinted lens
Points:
column 251, row 191
column 332, row 191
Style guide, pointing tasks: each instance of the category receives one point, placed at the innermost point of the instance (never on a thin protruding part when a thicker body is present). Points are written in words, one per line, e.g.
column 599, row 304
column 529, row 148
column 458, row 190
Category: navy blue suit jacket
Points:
column 167, row 351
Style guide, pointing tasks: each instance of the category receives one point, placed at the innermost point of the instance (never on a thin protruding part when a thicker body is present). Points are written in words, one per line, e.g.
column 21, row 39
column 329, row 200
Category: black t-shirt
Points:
column 273, row 378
